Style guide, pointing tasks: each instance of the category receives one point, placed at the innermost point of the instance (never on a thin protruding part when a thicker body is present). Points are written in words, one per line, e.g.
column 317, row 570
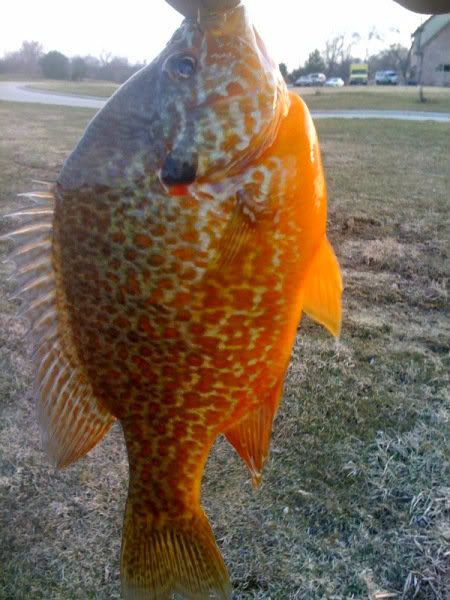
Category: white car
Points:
column 386, row 78
column 310, row 80
column 335, row 82
column 303, row 81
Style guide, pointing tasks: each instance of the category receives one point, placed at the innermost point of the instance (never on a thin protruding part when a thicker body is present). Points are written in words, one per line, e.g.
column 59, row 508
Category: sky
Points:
column 139, row 29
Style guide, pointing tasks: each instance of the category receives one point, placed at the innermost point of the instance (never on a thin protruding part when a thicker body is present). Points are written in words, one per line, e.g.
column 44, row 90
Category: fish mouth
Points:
column 177, row 173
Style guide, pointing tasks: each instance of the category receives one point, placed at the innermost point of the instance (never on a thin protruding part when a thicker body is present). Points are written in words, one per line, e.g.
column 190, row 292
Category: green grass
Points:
column 355, row 501
column 377, row 98
column 16, row 77
column 101, row 89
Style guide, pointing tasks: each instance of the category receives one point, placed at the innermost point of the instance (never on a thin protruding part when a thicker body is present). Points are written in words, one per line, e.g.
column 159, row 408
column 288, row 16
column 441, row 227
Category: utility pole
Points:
column 419, row 53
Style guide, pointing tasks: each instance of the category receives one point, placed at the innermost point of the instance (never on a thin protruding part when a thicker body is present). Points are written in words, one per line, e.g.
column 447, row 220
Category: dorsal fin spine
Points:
column 72, row 421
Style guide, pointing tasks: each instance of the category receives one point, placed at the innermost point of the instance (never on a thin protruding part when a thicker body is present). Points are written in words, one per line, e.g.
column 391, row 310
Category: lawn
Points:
column 376, row 98
column 355, row 501
column 16, row 77
column 388, row 98
column 99, row 89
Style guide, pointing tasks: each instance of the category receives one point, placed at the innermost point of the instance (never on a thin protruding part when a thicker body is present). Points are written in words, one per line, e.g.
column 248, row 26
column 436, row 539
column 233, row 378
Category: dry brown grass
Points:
column 355, row 502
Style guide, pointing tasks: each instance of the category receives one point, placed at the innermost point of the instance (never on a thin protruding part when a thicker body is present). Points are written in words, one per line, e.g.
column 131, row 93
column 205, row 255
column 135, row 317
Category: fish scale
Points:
column 174, row 308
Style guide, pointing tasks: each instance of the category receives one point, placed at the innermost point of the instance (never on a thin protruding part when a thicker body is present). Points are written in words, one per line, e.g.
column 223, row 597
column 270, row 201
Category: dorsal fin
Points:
column 72, row 420
column 251, row 436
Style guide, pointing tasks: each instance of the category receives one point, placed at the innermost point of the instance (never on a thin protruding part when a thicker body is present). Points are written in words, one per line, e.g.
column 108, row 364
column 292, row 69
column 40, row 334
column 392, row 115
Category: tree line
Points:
column 30, row 60
column 338, row 54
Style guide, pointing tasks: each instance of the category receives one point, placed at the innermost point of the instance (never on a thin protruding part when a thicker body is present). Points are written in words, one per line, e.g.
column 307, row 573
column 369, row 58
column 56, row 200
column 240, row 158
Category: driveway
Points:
column 15, row 91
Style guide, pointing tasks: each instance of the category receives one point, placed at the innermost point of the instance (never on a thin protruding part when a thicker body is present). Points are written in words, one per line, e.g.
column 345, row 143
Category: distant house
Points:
column 431, row 45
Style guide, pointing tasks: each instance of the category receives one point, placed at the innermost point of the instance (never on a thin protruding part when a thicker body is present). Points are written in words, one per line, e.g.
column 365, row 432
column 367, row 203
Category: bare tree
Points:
column 333, row 53
column 105, row 58
column 396, row 57
column 338, row 54
column 26, row 60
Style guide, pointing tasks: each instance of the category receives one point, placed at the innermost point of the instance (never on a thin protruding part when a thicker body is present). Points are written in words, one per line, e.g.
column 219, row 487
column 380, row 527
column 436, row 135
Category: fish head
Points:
column 207, row 106
column 222, row 97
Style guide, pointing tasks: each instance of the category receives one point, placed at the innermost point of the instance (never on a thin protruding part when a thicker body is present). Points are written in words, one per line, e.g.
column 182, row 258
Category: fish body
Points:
column 170, row 265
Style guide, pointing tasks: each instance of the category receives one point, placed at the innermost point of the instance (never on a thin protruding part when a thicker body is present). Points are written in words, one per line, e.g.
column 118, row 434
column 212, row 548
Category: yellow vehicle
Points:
column 359, row 74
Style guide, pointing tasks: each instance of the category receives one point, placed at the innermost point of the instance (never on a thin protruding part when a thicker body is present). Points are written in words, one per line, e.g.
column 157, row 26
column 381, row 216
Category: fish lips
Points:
column 178, row 172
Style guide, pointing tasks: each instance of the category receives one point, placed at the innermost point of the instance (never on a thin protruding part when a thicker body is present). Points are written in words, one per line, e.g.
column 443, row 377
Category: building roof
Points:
column 431, row 27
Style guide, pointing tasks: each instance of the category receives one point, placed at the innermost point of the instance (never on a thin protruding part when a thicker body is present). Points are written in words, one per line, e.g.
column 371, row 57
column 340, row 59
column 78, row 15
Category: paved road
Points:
column 14, row 91
column 402, row 115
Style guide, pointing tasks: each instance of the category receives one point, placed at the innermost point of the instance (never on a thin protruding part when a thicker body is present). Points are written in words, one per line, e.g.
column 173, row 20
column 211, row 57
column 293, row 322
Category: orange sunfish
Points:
column 164, row 276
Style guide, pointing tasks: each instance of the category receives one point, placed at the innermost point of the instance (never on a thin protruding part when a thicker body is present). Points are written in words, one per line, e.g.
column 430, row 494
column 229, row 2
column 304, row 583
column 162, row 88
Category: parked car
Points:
column 318, row 78
column 392, row 77
column 304, row 81
column 386, row 78
column 335, row 82
column 312, row 79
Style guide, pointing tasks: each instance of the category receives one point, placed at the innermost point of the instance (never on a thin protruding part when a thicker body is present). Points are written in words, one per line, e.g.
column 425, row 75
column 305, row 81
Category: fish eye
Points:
column 182, row 67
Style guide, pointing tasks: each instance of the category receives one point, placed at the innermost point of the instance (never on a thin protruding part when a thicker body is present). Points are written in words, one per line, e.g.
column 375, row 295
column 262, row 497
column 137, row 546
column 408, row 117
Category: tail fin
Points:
column 175, row 556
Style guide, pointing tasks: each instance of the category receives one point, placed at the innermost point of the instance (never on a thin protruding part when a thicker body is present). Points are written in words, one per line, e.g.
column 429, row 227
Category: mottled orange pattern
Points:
column 174, row 308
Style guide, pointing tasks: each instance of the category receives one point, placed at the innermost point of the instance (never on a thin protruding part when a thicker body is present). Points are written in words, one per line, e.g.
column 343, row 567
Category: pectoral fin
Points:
column 243, row 229
column 322, row 299
column 236, row 235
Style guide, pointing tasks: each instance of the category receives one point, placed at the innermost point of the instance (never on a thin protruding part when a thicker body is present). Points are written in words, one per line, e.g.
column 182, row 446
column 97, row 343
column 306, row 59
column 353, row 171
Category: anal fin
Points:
column 322, row 292
column 251, row 436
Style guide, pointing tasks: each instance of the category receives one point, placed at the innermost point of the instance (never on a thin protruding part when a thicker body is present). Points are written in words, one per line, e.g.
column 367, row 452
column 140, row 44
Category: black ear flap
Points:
column 179, row 170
